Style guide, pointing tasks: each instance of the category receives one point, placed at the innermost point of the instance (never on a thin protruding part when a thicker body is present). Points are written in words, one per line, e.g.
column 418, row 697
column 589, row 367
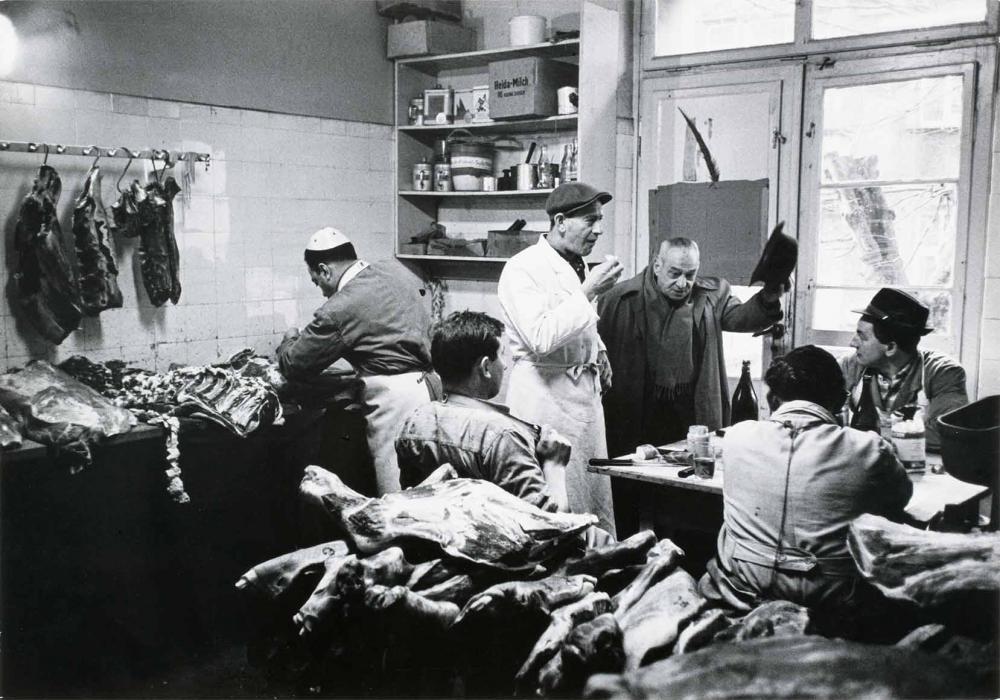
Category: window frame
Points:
column 804, row 45
column 978, row 65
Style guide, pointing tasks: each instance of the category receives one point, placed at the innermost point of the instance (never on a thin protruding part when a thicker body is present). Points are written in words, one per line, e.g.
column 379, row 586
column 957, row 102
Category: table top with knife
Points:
column 931, row 492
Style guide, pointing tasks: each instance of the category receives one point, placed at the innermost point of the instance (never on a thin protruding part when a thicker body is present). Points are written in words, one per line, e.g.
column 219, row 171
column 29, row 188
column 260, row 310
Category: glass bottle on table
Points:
column 744, row 404
column 866, row 416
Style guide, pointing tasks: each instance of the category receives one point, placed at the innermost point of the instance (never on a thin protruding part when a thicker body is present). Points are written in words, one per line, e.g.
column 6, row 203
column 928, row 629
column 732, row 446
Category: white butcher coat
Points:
column 552, row 335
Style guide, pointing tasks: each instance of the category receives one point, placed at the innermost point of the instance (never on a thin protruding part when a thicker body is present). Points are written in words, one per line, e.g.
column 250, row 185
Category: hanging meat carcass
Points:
column 153, row 220
column 47, row 293
column 98, row 273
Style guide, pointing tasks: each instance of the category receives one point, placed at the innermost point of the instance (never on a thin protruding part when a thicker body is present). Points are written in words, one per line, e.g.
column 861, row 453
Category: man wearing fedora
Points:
column 886, row 340
column 560, row 365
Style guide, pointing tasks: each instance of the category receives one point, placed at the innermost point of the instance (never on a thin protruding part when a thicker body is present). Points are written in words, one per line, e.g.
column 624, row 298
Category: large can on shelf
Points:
column 471, row 161
column 422, row 174
column 442, row 177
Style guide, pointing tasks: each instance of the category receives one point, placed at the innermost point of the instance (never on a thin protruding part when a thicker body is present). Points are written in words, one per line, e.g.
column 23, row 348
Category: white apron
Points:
column 549, row 395
column 394, row 396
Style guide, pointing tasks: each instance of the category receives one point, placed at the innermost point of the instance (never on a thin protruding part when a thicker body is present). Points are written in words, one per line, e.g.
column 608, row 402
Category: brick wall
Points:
column 241, row 226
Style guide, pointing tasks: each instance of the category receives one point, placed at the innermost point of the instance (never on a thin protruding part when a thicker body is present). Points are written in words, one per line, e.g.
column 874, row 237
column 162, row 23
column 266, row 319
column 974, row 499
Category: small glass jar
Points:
column 699, row 442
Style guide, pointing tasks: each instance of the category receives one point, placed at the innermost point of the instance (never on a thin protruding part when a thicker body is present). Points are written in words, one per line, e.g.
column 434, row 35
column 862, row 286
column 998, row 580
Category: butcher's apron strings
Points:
column 780, row 548
column 573, row 370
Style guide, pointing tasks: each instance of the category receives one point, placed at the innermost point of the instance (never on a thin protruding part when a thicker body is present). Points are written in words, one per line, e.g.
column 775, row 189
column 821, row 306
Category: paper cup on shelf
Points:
column 566, row 98
column 527, row 29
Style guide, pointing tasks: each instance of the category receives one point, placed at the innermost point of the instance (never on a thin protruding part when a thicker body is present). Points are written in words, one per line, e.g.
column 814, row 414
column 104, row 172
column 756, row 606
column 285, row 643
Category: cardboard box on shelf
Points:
column 427, row 37
column 526, row 87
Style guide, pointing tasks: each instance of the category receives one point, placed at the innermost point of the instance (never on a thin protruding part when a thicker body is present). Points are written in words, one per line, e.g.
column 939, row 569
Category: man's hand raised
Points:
column 602, row 277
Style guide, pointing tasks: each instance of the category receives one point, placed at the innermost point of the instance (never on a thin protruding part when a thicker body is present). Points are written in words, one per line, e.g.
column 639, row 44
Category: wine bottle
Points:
column 745, row 405
column 866, row 416
column 564, row 164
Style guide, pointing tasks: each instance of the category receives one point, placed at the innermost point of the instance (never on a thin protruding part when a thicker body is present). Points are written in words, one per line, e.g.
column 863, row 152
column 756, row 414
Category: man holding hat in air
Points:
column 886, row 340
column 375, row 319
column 560, row 366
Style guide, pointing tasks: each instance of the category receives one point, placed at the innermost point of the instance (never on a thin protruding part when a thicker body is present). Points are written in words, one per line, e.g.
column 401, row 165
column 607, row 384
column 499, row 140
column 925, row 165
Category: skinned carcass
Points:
column 10, row 431
column 511, row 598
column 790, row 667
column 159, row 259
column 922, row 566
column 468, row 519
column 46, row 290
column 650, row 626
column 274, row 576
column 591, row 647
column 601, row 560
column 58, row 411
column 562, row 622
column 98, row 273
column 239, row 403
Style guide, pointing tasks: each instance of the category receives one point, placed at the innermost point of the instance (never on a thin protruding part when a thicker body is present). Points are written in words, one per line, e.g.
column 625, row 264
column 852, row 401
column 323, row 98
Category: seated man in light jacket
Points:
column 481, row 440
column 793, row 484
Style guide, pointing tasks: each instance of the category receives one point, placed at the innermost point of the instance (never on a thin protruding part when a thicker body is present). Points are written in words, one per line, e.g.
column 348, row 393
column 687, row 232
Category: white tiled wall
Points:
column 241, row 226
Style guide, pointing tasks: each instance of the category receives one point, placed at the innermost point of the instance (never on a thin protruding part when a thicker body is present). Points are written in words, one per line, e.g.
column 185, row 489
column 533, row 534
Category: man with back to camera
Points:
column 375, row 318
column 480, row 439
column 793, row 484
column 885, row 343
column 560, row 364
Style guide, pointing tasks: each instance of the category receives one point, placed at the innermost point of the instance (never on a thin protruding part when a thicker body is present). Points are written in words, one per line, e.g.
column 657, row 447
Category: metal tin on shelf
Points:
column 422, row 174
column 442, row 177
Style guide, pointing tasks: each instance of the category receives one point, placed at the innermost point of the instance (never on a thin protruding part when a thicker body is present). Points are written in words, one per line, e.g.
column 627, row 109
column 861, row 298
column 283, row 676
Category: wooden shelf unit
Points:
column 596, row 55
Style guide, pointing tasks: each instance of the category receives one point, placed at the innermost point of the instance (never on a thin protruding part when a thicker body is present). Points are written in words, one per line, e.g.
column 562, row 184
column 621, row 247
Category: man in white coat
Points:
column 560, row 364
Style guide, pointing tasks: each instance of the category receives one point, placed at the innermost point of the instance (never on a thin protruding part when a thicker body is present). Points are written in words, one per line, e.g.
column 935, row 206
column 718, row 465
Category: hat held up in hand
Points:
column 778, row 259
column 898, row 308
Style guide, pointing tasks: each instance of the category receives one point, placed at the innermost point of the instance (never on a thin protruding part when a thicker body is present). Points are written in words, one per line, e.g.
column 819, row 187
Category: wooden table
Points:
column 932, row 493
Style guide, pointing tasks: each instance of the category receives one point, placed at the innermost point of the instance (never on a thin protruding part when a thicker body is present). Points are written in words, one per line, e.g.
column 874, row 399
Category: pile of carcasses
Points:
column 457, row 588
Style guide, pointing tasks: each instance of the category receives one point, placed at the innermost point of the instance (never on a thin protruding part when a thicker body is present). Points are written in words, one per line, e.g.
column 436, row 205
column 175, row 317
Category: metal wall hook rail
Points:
column 103, row 151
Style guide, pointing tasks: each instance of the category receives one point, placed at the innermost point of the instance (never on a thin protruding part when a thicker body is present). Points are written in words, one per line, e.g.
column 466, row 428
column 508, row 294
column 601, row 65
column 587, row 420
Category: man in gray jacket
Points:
column 373, row 317
column 794, row 483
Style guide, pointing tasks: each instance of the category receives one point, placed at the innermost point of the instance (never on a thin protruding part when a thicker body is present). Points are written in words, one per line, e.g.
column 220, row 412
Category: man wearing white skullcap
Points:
column 375, row 318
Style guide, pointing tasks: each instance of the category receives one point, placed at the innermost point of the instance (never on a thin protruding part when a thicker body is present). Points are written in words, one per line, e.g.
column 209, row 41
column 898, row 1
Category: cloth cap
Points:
column 897, row 308
column 327, row 239
column 572, row 196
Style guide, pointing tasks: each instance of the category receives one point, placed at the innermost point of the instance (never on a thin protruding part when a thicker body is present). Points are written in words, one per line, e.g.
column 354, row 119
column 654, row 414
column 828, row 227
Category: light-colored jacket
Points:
column 793, row 485
column 549, row 319
column 552, row 336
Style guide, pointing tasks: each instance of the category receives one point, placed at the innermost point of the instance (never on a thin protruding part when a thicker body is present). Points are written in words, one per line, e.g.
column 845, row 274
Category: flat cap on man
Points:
column 898, row 308
column 573, row 196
